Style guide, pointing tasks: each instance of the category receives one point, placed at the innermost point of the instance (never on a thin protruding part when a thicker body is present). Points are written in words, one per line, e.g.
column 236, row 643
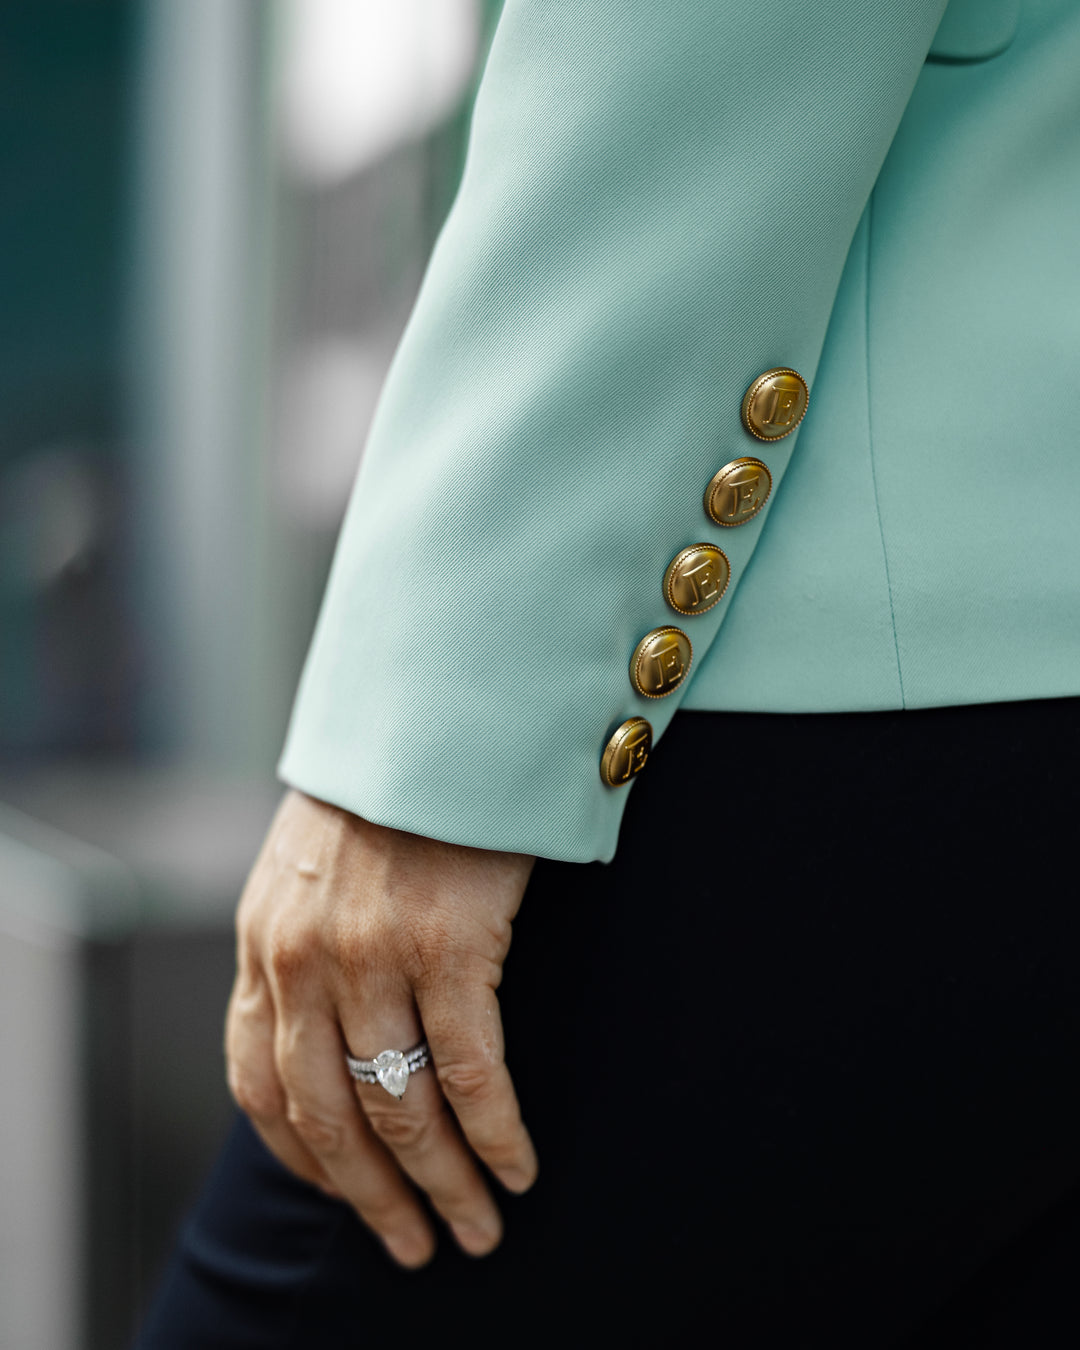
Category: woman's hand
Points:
column 353, row 936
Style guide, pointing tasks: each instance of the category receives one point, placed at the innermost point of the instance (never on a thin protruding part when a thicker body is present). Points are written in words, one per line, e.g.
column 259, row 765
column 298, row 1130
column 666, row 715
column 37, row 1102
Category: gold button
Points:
column 738, row 492
column 660, row 662
column 626, row 752
column 775, row 404
column 696, row 578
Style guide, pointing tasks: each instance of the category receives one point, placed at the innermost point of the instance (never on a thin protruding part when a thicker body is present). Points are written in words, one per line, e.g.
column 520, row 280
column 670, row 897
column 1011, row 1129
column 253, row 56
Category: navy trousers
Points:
column 805, row 1057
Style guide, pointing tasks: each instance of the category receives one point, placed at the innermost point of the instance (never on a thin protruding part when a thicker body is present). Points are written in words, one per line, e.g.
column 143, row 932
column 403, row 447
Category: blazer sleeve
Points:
column 656, row 208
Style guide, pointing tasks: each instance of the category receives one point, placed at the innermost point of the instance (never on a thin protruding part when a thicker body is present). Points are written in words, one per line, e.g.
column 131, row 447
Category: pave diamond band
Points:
column 390, row 1068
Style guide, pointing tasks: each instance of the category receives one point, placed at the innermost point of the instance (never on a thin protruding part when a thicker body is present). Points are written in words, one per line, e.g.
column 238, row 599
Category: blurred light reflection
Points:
column 358, row 79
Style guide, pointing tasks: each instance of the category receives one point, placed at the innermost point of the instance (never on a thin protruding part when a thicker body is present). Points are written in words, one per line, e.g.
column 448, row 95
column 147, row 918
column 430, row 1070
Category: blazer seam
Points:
column 870, row 442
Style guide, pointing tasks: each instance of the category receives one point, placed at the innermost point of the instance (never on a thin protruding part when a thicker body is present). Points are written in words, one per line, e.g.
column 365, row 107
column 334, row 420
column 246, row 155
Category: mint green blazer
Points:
column 660, row 202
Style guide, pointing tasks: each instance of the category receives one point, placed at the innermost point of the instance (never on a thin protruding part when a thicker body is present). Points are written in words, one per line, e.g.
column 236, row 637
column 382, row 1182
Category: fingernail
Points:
column 475, row 1240
column 407, row 1249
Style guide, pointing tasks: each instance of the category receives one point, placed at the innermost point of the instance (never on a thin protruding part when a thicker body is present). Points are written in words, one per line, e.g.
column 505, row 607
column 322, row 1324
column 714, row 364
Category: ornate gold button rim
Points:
column 615, row 744
column 672, row 568
column 755, row 388
column 640, row 652
column 717, row 479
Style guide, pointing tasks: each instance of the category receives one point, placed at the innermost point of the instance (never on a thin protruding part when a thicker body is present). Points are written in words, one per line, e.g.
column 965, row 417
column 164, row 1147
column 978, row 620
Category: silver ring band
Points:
column 390, row 1068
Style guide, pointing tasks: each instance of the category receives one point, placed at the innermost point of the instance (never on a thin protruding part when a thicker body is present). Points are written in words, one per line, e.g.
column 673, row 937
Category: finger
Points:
column 323, row 1111
column 424, row 1138
column 465, row 1035
column 253, row 1079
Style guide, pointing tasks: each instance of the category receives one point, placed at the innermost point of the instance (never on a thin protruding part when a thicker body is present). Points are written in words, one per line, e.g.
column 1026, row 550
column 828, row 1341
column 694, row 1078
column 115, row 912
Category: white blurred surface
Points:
column 360, row 76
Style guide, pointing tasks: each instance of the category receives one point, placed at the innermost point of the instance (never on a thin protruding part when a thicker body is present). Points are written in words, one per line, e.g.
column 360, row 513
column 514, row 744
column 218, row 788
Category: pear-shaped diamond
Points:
column 392, row 1072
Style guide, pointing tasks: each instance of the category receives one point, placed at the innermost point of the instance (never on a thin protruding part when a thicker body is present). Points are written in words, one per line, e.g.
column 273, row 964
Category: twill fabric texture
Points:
column 657, row 206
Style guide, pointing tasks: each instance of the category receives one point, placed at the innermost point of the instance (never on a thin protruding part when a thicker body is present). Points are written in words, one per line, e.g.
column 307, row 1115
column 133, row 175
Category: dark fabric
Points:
column 804, row 1057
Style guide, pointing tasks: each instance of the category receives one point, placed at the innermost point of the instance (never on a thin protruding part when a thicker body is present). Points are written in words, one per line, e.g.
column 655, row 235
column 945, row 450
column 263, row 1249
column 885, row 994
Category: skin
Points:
column 354, row 936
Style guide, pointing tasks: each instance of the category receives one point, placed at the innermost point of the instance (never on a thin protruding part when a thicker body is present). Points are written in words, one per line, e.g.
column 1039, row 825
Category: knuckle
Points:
column 419, row 960
column 401, row 1130
column 424, row 951
column 290, row 951
column 465, row 1082
column 249, row 1020
column 353, row 958
column 259, row 1098
column 247, row 945
column 322, row 1134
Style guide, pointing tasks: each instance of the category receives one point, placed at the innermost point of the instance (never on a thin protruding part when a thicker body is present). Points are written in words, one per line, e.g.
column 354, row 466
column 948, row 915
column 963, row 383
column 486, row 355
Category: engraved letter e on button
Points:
column 660, row 662
column 738, row 492
column 775, row 404
column 696, row 578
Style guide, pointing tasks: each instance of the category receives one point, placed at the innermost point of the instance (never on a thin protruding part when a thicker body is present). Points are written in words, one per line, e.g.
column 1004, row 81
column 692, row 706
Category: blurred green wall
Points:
column 64, row 92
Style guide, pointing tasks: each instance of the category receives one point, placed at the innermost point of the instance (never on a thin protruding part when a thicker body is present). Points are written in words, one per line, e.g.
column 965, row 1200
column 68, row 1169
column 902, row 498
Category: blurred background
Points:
column 215, row 216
